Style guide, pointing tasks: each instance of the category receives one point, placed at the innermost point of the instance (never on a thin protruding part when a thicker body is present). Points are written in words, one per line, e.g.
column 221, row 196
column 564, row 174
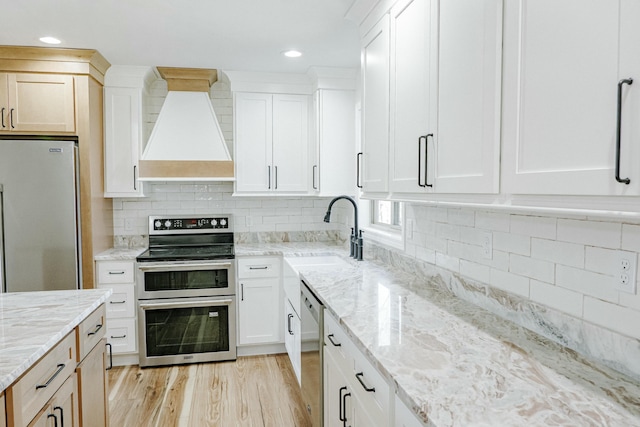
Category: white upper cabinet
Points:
column 467, row 137
column 271, row 143
column 412, row 87
column 375, row 109
column 445, row 86
column 123, row 114
column 334, row 172
column 564, row 61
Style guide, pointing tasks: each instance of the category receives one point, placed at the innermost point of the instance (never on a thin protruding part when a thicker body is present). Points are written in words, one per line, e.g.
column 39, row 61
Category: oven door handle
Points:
column 208, row 303
column 186, row 267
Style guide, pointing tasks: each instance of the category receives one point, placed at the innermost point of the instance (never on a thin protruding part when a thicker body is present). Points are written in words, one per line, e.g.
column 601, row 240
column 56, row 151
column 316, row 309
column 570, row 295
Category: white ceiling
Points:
column 243, row 35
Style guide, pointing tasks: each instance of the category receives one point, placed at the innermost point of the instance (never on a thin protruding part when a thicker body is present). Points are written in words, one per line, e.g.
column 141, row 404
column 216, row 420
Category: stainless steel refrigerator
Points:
column 39, row 233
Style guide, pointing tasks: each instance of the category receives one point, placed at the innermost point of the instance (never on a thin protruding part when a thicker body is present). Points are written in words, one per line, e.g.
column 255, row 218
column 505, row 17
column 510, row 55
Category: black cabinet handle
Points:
column 289, row 317
column 358, row 161
column 111, row 354
column 341, row 410
column 55, row 374
column 3, row 125
column 313, row 176
column 11, row 118
column 116, row 272
column 619, row 125
column 276, row 173
column 420, row 139
column 59, row 408
column 241, row 291
column 117, row 302
column 258, row 268
column 269, row 177
column 426, row 159
column 117, row 337
column 95, row 331
column 344, row 408
column 359, row 376
column 335, row 344
column 55, row 419
column 135, row 187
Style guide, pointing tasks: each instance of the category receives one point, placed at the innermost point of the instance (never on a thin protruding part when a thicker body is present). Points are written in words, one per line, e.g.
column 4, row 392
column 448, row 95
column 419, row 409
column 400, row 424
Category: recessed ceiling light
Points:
column 49, row 40
column 292, row 53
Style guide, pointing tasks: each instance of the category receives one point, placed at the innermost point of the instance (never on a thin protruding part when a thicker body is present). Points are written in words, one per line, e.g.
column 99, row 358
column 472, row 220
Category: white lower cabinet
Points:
column 404, row 417
column 260, row 296
column 119, row 276
column 292, row 338
column 355, row 393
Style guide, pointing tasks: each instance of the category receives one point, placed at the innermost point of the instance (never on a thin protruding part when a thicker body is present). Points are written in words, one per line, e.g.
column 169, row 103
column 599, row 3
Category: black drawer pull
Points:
column 330, row 338
column 258, row 268
column 95, row 331
column 117, row 302
column 116, row 272
column 359, row 376
column 117, row 337
column 61, row 366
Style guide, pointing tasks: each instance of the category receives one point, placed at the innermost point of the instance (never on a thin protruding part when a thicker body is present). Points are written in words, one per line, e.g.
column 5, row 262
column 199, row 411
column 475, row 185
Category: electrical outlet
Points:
column 487, row 245
column 128, row 224
column 624, row 271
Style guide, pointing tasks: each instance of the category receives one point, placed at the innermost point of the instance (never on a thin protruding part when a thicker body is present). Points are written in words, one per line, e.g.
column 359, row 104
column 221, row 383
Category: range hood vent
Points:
column 186, row 143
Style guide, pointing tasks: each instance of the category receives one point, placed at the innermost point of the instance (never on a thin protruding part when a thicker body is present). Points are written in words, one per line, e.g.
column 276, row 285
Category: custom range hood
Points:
column 186, row 142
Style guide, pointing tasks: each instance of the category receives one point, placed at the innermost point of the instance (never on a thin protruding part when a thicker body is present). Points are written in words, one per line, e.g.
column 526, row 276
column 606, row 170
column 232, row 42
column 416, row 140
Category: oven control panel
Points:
column 182, row 224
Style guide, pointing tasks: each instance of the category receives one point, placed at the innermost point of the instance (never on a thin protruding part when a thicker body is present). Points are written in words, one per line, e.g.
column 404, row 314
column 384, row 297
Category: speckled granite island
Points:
column 455, row 364
column 31, row 323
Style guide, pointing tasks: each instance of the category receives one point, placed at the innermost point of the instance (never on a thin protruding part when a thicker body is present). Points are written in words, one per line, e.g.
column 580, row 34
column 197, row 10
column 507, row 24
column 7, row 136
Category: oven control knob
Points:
column 157, row 224
column 167, row 223
column 223, row 222
column 214, row 222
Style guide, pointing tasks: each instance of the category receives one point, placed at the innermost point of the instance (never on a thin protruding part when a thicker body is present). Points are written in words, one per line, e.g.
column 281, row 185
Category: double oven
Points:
column 186, row 291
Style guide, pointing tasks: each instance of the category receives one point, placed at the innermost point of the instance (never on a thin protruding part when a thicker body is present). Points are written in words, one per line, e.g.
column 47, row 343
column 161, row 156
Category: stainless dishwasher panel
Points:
column 312, row 325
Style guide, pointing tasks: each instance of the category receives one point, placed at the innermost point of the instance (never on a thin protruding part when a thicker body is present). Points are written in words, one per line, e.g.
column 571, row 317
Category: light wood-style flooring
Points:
column 253, row 391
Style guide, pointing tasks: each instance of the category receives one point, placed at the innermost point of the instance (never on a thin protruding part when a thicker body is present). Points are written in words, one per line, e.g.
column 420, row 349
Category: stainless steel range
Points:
column 186, row 291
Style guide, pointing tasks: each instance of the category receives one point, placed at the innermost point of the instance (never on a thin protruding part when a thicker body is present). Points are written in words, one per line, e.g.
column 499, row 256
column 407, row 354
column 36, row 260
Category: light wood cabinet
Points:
column 92, row 382
column 62, row 82
column 92, row 370
column 121, row 334
column 3, row 413
column 37, row 103
column 271, row 143
column 62, row 409
column 560, row 97
column 27, row 396
column 260, row 296
column 375, row 109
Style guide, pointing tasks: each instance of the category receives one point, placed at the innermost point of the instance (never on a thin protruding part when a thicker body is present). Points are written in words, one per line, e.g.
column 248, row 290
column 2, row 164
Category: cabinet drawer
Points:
column 122, row 302
column 365, row 377
column 258, row 267
column 28, row 395
column 338, row 343
column 116, row 272
column 121, row 334
column 91, row 331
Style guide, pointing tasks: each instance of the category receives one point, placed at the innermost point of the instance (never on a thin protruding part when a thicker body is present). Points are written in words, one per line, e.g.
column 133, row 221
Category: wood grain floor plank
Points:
column 256, row 391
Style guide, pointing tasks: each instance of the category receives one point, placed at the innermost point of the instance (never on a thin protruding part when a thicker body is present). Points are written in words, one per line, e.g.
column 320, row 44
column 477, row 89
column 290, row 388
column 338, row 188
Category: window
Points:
column 387, row 214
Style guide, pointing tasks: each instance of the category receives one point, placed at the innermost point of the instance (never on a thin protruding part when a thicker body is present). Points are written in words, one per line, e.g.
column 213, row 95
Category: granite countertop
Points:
column 119, row 254
column 454, row 363
column 31, row 323
column 290, row 249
